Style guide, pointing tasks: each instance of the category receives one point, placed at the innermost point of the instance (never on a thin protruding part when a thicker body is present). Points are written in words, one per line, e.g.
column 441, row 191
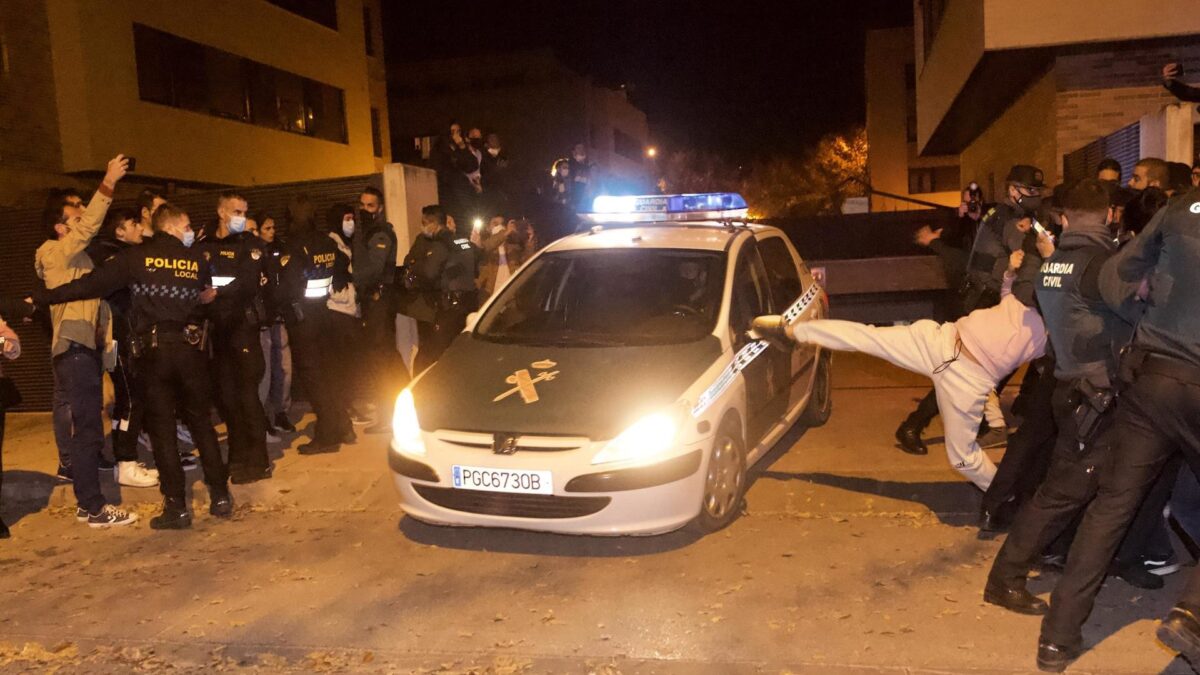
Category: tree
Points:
column 817, row 183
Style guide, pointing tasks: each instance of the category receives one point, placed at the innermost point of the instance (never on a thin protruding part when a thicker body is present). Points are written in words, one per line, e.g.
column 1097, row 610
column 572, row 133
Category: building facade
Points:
column 203, row 93
column 1056, row 84
column 535, row 103
column 893, row 164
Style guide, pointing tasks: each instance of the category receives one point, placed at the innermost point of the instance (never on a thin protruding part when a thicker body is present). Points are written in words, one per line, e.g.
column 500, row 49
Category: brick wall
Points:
column 1083, row 116
column 29, row 138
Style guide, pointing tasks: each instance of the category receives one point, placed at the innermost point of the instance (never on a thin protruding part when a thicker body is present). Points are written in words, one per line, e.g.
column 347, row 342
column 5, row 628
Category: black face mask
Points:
column 477, row 142
column 1029, row 204
column 366, row 218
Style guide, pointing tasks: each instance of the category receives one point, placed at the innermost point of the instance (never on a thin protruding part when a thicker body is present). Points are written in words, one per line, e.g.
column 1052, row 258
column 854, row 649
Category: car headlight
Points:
column 647, row 438
column 406, row 431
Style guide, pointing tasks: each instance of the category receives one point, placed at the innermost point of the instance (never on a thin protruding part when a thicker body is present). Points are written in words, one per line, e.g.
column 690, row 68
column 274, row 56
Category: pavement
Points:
column 851, row 558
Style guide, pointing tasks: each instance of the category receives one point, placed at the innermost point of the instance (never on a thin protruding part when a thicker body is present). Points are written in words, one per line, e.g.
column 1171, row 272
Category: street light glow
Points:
column 652, row 152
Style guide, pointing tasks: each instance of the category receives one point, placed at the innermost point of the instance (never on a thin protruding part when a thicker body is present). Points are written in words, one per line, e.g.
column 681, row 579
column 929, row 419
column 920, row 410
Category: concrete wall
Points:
column 956, row 49
column 101, row 114
column 1023, row 134
column 889, row 154
column 1010, row 24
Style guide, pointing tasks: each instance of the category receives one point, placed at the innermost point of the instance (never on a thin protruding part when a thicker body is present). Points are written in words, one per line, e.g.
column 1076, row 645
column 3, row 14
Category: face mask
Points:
column 477, row 142
column 348, row 227
column 1029, row 204
column 493, row 151
column 189, row 237
column 580, row 158
column 237, row 224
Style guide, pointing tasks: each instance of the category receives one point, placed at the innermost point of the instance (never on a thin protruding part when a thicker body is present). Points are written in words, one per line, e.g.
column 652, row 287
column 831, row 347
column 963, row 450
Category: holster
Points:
column 1092, row 404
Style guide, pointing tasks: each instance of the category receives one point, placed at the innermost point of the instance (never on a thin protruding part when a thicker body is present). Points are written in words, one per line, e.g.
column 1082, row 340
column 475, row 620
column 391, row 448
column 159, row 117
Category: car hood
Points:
column 594, row 392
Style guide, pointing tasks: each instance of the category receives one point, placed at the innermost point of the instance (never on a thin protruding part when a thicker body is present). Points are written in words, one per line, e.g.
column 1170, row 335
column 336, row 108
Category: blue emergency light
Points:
column 644, row 208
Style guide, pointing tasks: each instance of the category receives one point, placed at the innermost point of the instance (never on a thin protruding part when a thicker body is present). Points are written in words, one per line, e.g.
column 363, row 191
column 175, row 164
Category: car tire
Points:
column 820, row 402
column 724, row 480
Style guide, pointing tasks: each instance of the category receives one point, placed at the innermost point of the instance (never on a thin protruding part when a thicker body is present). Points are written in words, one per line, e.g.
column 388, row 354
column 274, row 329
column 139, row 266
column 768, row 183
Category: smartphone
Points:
column 132, row 164
column 1040, row 229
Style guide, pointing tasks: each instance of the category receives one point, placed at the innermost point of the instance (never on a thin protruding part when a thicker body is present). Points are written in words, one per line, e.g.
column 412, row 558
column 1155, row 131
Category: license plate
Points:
column 502, row 480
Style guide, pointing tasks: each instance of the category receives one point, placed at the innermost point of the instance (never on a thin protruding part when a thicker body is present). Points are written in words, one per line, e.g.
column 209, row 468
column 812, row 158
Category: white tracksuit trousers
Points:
column 962, row 387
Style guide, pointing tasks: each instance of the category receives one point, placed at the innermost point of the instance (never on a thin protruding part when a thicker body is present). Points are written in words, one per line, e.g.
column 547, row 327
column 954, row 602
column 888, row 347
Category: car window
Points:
column 750, row 290
column 613, row 297
column 781, row 272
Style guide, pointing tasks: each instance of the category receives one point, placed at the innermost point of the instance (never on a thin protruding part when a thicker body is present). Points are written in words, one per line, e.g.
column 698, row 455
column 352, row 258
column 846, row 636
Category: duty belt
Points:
column 1166, row 366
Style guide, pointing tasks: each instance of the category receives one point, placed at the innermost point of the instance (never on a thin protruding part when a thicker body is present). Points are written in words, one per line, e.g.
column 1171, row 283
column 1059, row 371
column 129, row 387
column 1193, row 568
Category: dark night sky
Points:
column 744, row 78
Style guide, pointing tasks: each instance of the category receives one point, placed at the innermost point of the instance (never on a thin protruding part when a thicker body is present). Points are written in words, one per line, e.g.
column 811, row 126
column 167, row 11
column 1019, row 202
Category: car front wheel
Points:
column 724, row 482
column 820, row 401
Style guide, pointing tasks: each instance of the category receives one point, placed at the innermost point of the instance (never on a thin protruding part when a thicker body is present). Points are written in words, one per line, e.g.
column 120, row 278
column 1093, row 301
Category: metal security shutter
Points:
column 21, row 232
column 1123, row 145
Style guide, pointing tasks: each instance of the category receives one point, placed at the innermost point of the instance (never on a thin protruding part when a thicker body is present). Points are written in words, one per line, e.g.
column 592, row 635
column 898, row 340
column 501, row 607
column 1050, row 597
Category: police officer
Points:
column 374, row 248
column 1086, row 336
column 439, row 272
column 306, row 268
column 235, row 259
column 1157, row 416
column 168, row 281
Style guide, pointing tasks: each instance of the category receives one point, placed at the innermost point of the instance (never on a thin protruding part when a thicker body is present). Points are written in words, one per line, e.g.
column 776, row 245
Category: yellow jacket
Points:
column 61, row 261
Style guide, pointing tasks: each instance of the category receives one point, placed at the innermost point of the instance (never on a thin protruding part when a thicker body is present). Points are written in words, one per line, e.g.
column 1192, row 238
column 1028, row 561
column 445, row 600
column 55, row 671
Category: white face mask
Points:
column 493, row 151
column 237, row 224
column 189, row 237
column 348, row 227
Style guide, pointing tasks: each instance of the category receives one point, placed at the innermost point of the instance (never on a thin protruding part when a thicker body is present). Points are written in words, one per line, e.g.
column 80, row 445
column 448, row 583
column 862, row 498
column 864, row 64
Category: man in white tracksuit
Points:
column 965, row 360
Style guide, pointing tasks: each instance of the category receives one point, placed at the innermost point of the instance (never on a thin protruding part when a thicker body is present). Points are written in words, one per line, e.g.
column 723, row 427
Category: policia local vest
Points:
column 1085, row 333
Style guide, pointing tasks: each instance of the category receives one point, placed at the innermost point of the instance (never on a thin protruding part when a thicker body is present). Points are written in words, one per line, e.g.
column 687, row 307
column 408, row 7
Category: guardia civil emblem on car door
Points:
column 526, row 382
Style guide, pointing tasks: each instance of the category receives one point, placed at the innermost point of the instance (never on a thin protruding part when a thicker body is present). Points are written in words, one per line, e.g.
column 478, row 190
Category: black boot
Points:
column 996, row 519
column 4, row 533
column 315, row 448
column 1181, row 631
column 175, row 516
column 909, row 437
column 1017, row 600
column 221, row 505
column 1052, row 658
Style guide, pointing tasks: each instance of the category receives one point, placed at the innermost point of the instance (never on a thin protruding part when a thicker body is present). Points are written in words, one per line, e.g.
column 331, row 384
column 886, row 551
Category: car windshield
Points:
column 610, row 297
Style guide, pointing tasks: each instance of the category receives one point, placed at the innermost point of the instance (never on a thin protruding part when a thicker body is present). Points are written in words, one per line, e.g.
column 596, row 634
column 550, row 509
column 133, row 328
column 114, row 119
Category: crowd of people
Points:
column 1095, row 287
column 186, row 317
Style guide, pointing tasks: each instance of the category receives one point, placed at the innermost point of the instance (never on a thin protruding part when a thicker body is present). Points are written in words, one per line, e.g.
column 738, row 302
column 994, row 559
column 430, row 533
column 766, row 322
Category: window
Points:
column 323, row 12
column 368, row 31
column 781, row 273
column 184, row 74
column 933, row 179
column 750, row 295
column 627, row 146
column 376, row 133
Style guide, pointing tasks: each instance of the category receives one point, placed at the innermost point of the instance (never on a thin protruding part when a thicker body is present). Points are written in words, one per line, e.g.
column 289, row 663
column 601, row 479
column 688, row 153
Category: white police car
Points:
column 610, row 387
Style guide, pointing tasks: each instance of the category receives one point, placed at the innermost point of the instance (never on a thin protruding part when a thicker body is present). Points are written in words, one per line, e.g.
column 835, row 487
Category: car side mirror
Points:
column 472, row 319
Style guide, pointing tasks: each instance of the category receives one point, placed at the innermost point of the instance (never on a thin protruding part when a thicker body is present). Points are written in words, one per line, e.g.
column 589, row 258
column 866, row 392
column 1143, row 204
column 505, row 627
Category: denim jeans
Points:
column 275, row 388
column 78, row 427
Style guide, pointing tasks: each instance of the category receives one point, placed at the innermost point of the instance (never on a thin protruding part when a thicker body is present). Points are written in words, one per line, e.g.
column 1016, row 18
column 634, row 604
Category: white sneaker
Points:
column 111, row 516
column 133, row 474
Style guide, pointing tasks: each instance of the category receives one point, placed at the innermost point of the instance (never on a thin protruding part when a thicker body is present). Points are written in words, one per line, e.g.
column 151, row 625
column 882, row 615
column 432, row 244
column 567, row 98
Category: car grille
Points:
column 514, row 505
column 482, row 441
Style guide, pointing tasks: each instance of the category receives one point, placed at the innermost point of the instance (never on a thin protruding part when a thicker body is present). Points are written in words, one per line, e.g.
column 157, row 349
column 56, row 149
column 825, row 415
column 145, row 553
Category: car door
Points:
column 768, row 371
column 783, row 274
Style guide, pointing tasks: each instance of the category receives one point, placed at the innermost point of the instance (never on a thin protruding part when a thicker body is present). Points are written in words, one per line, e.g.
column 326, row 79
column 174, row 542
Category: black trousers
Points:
column 1070, row 484
column 129, row 398
column 238, row 367
column 1158, row 416
column 315, row 364
column 178, row 385
column 436, row 337
column 1030, row 447
column 389, row 375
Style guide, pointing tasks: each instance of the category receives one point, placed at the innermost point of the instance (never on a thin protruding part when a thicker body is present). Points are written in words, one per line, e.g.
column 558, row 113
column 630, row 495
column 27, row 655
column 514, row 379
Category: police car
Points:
column 610, row 387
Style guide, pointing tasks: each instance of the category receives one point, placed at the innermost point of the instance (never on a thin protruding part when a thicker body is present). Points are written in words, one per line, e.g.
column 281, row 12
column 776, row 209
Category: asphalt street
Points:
column 851, row 558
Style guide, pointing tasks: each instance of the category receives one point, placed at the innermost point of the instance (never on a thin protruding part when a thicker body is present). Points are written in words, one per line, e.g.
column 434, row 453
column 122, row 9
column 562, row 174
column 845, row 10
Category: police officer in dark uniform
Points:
column 1086, row 336
column 235, row 258
column 168, row 281
column 440, row 276
column 306, row 268
column 1157, row 416
column 374, row 248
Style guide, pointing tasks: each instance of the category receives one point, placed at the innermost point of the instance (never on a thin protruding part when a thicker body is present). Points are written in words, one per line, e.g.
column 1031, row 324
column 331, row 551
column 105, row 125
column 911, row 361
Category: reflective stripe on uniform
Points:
column 222, row 281
column 318, row 288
